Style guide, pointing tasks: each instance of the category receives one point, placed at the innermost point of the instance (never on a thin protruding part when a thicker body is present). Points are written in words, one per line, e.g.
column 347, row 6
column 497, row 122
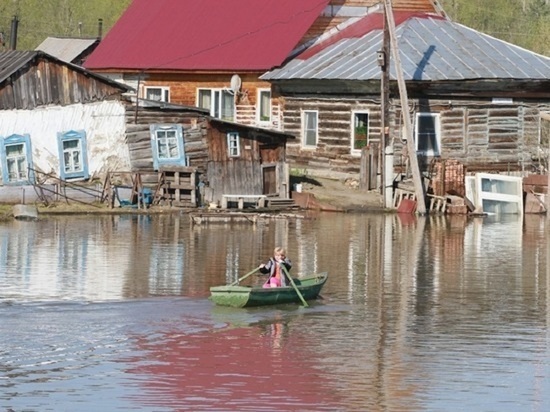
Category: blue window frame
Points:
column 73, row 155
column 167, row 145
column 16, row 156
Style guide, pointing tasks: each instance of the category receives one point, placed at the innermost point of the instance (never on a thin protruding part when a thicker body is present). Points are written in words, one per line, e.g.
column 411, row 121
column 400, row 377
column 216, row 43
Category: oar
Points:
column 294, row 286
column 245, row 276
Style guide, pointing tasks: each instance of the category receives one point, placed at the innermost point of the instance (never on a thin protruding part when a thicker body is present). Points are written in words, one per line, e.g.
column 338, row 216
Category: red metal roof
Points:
column 369, row 23
column 219, row 35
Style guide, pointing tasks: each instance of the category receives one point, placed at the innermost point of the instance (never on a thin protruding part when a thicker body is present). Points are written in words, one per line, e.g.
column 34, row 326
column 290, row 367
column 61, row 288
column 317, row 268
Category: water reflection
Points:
column 430, row 313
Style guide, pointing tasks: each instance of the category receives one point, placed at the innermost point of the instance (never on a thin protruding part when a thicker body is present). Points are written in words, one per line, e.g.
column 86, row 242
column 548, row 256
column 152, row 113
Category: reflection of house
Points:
column 60, row 119
column 473, row 98
column 69, row 49
column 210, row 53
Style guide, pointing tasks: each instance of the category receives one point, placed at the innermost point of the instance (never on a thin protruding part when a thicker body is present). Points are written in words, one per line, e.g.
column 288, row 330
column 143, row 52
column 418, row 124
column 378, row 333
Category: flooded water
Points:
column 419, row 314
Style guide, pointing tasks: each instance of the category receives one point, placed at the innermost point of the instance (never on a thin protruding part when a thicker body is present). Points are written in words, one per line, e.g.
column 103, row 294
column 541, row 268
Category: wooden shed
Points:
column 238, row 161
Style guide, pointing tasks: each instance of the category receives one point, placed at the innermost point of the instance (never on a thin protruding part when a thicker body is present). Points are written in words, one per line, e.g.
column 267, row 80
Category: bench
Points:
column 258, row 200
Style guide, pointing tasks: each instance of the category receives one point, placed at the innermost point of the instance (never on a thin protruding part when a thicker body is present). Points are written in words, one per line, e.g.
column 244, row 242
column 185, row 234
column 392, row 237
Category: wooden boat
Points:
column 246, row 296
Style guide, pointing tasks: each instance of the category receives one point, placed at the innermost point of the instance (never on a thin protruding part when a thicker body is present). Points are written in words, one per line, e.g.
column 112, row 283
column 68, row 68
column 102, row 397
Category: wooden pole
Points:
column 546, row 117
column 385, row 110
column 245, row 276
column 417, row 179
column 294, row 286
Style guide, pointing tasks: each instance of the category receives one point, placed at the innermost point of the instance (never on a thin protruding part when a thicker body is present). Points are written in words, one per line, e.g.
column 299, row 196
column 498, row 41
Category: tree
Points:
column 39, row 19
column 521, row 22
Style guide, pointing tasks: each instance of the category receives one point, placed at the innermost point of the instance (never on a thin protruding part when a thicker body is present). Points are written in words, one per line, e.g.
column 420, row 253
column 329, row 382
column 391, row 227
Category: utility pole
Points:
column 411, row 147
column 386, row 146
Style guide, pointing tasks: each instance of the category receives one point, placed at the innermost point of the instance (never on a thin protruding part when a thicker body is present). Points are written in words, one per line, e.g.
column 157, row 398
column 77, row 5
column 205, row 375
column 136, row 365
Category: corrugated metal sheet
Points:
column 431, row 48
column 66, row 49
column 205, row 35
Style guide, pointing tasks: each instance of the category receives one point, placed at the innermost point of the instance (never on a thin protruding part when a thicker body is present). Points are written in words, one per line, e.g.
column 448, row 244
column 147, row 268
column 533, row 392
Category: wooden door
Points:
column 269, row 175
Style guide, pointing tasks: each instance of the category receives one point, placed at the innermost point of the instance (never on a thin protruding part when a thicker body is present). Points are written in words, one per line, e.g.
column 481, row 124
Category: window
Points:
column 427, row 136
column 220, row 102
column 359, row 132
column 159, row 94
column 309, row 128
column 167, row 145
column 73, row 158
column 16, row 155
column 264, row 105
column 233, row 144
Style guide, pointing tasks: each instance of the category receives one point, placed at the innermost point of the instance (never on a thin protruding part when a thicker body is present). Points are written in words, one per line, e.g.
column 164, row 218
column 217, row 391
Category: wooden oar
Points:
column 245, row 276
column 294, row 286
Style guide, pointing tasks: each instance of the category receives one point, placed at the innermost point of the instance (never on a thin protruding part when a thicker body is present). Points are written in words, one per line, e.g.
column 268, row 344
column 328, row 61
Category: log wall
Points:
column 482, row 135
column 138, row 136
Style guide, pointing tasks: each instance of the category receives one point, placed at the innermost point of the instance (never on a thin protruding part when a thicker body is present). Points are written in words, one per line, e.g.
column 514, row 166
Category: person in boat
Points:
column 277, row 276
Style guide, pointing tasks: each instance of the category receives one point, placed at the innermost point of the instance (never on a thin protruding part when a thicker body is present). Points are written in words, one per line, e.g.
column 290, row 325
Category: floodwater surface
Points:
column 111, row 313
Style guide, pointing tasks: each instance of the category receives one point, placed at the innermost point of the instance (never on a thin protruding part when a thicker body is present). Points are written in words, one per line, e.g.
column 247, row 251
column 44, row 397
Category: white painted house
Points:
column 58, row 119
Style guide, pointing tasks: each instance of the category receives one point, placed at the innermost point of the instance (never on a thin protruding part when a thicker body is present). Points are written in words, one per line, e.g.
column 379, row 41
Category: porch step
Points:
column 278, row 203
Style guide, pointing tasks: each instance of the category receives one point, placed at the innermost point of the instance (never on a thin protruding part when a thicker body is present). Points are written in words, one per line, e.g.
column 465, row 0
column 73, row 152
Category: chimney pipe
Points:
column 13, row 33
column 99, row 28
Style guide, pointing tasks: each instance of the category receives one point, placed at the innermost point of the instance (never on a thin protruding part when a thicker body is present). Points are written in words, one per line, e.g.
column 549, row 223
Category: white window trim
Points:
column 303, row 129
column 212, row 100
column 233, row 137
column 437, row 117
column 259, row 107
column 353, row 151
column 165, row 92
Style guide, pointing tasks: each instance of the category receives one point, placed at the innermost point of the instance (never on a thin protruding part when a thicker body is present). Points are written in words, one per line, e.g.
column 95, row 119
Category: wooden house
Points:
column 472, row 98
column 60, row 122
column 211, row 53
column 57, row 118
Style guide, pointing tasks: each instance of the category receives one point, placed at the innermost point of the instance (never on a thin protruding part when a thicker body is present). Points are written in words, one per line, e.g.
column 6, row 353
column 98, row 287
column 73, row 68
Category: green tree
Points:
column 39, row 19
column 521, row 22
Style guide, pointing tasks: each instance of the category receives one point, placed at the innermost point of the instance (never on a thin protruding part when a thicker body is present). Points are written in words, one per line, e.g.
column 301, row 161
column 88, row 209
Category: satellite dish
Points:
column 235, row 83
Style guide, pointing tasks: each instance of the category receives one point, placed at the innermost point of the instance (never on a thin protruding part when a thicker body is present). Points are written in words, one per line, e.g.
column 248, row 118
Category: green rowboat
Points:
column 246, row 296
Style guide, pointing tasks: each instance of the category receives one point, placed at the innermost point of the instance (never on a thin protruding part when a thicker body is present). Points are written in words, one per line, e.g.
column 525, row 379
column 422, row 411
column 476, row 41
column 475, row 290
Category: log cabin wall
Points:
column 482, row 135
column 333, row 150
column 138, row 136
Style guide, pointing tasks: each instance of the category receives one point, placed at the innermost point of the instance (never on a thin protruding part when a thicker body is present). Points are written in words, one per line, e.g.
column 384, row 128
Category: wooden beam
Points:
column 413, row 158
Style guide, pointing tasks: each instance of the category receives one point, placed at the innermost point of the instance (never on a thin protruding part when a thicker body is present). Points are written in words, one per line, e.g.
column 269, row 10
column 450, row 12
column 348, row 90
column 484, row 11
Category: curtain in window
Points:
column 72, row 156
column 205, row 99
column 265, row 106
column 227, row 106
column 16, row 160
column 310, row 128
